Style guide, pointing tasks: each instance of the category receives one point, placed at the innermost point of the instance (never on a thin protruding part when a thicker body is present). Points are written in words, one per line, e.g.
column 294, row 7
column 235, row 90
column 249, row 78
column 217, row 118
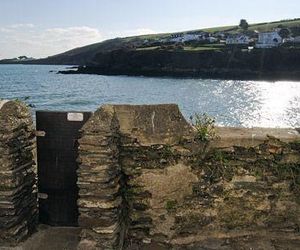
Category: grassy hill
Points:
column 82, row 55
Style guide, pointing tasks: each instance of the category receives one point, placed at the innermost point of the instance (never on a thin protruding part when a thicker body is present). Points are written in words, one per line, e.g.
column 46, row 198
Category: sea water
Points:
column 232, row 103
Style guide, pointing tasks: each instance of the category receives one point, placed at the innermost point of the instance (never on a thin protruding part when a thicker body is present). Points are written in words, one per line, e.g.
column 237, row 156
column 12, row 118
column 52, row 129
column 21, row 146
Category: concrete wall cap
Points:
column 231, row 136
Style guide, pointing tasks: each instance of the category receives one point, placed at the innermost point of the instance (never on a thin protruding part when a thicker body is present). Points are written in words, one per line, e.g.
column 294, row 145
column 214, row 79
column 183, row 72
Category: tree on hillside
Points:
column 284, row 33
column 244, row 24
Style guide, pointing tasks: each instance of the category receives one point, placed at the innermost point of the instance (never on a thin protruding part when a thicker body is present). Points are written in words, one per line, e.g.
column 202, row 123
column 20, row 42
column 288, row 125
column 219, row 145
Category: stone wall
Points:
column 223, row 197
column 18, row 195
column 145, row 181
column 99, row 181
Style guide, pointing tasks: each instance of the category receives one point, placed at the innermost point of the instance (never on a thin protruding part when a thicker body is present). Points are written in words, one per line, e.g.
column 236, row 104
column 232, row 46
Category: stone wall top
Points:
column 164, row 124
column 18, row 194
column 251, row 137
column 151, row 124
column 13, row 115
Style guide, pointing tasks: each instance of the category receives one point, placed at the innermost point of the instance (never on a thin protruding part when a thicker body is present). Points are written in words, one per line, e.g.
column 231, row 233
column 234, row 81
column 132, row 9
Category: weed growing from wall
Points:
column 205, row 127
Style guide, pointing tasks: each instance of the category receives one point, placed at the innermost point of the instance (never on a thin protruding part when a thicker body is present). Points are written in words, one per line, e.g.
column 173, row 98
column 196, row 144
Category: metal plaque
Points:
column 75, row 117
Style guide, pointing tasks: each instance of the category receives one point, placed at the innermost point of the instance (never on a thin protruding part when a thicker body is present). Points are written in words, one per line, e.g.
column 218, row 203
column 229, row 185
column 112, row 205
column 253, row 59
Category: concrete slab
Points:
column 50, row 238
column 251, row 137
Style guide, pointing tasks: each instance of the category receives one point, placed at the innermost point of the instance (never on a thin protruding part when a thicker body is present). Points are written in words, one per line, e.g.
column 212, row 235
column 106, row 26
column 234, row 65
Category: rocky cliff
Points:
column 231, row 63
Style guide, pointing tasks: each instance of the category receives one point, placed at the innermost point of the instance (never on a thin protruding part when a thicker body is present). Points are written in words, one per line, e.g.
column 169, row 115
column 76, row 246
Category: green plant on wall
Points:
column 170, row 205
column 24, row 100
column 205, row 127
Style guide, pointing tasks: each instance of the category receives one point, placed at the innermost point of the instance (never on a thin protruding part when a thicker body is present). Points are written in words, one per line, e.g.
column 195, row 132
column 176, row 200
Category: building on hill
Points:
column 288, row 40
column 176, row 38
column 187, row 37
column 212, row 39
column 269, row 39
column 296, row 39
column 292, row 40
column 191, row 37
column 220, row 35
column 238, row 40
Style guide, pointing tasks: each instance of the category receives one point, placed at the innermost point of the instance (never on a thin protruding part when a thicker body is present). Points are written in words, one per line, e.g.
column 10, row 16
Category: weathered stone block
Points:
column 18, row 198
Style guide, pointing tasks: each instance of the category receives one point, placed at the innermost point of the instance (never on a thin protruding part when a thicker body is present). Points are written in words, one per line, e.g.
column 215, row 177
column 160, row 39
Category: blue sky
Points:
column 45, row 27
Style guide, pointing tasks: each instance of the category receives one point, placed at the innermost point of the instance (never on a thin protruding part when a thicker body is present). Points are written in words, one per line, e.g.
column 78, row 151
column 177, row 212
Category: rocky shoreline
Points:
column 223, row 74
column 271, row 64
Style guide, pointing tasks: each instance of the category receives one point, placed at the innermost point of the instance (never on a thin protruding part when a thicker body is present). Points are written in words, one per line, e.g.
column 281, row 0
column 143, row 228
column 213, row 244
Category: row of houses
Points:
column 258, row 39
column 188, row 37
column 264, row 40
column 185, row 37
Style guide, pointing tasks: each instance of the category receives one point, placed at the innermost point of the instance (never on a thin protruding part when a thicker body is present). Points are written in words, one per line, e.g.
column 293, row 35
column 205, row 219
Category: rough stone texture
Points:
column 18, row 194
column 168, row 190
column 100, row 202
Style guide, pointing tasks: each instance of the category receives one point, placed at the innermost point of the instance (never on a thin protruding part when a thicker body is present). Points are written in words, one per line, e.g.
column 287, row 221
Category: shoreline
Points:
column 271, row 65
column 216, row 74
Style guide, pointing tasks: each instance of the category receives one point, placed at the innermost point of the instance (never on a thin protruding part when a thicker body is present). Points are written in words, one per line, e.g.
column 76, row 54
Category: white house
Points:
column 190, row 37
column 269, row 40
column 163, row 40
column 220, row 35
column 176, row 38
column 292, row 40
column 212, row 39
column 296, row 39
column 288, row 40
column 238, row 40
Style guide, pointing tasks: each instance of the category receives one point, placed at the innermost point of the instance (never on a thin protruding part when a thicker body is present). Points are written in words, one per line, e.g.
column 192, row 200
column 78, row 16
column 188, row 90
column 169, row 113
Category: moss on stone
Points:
column 237, row 212
column 191, row 222
column 295, row 145
column 216, row 166
column 171, row 205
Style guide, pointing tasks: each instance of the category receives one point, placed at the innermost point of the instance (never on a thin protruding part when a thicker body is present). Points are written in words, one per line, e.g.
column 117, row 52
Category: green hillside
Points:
column 85, row 54
column 115, row 43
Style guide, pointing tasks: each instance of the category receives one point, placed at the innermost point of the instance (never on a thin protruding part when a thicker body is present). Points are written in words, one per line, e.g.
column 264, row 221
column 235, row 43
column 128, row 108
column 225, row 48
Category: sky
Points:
column 40, row 28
